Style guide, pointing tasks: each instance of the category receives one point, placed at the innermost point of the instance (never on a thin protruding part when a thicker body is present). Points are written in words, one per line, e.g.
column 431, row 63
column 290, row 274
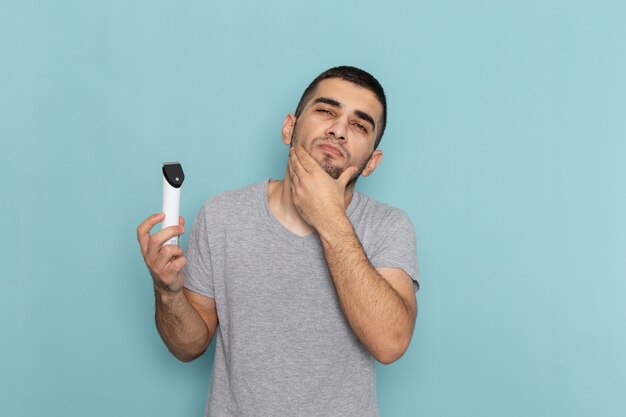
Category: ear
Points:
column 373, row 162
column 287, row 131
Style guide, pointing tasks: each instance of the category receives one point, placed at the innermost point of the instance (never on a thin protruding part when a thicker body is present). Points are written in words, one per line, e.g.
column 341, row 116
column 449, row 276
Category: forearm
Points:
column 378, row 315
column 180, row 325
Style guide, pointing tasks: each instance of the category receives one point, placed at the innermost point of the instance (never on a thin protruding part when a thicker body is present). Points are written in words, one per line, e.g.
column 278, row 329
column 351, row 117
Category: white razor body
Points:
column 173, row 177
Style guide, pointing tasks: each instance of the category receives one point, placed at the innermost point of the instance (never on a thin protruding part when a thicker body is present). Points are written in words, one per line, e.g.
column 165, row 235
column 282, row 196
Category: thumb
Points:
column 347, row 175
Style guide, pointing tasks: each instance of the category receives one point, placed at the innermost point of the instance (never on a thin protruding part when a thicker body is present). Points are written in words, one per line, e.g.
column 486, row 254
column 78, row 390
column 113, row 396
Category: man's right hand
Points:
column 165, row 262
column 186, row 320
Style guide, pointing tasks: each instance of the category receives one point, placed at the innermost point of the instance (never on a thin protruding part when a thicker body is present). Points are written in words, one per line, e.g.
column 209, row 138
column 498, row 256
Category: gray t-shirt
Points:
column 284, row 346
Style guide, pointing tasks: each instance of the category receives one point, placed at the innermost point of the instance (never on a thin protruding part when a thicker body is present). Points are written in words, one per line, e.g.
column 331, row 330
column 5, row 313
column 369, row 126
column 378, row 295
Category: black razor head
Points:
column 173, row 173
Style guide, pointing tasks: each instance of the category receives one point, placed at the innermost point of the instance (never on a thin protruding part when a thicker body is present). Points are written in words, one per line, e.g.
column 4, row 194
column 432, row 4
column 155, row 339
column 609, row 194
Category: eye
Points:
column 326, row 111
column 360, row 127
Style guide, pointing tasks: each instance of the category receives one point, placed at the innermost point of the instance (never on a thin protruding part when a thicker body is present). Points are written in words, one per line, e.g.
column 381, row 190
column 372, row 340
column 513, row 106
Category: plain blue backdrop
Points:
column 505, row 145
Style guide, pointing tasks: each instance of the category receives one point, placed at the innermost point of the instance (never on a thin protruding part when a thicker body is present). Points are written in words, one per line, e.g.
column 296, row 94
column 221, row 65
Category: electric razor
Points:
column 173, row 177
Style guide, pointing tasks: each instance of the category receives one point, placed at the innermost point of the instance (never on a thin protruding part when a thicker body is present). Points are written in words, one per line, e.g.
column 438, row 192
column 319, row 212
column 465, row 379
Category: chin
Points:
column 332, row 170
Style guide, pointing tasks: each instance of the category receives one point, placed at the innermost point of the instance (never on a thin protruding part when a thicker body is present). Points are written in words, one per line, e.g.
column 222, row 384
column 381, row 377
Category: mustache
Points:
column 330, row 141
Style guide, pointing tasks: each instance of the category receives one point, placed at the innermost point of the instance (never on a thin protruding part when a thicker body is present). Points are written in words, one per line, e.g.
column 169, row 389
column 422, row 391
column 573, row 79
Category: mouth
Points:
column 330, row 149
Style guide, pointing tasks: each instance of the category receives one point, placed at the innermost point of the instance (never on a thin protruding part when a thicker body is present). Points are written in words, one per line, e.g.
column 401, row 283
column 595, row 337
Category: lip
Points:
column 331, row 149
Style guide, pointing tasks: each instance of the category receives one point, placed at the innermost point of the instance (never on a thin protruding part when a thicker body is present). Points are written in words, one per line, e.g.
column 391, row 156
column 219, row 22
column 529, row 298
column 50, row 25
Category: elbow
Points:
column 389, row 356
column 186, row 357
column 392, row 351
column 188, row 353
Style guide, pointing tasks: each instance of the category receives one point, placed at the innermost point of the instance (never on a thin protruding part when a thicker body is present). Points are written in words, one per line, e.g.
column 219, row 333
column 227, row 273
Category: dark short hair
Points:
column 356, row 76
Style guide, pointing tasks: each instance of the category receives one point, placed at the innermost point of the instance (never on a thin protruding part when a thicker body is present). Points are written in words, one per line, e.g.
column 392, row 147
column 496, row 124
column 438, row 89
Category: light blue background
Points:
column 505, row 145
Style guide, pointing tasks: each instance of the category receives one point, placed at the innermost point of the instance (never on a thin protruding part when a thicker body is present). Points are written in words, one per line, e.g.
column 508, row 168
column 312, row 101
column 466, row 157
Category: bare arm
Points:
column 379, row 304
column 185, row 320
column 186, row 328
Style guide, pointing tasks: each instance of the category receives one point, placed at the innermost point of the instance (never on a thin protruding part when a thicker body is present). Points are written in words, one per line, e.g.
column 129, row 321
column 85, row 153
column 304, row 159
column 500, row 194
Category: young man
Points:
column 306, row 281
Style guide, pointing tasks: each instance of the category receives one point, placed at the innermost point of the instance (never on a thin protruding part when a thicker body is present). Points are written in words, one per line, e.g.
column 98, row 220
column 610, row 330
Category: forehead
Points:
column 350, row 96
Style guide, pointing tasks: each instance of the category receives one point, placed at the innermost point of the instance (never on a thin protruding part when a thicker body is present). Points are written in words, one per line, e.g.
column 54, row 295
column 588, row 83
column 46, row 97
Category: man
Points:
column 305, row 281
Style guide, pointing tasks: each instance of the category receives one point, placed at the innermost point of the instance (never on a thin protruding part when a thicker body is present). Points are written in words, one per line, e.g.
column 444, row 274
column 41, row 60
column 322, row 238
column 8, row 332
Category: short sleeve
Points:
column 198, row 271
column 397, row 247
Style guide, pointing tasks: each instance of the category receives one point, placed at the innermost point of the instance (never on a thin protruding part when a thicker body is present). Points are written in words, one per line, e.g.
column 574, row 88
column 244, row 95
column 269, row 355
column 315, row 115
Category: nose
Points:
column 338, row 129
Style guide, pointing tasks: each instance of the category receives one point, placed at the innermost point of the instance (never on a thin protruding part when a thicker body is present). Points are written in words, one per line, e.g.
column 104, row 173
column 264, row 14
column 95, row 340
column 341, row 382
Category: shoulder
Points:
column 375, row 213
column 236, row 197
column 236, row 203
column 388, row 236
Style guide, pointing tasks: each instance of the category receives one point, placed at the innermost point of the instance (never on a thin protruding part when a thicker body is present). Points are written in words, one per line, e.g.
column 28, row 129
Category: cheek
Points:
column 360, row 157
column 302, row 134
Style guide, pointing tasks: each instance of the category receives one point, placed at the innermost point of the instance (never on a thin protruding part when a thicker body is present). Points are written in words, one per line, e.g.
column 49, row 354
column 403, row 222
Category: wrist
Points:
column 166, row 296
column 335, row 226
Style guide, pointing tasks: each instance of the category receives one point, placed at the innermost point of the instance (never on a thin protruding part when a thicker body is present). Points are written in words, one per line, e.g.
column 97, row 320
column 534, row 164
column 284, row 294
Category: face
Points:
column 338, row 127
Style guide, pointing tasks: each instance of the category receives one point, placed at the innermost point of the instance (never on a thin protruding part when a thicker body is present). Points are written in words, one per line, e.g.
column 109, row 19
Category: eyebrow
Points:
column 335, row 103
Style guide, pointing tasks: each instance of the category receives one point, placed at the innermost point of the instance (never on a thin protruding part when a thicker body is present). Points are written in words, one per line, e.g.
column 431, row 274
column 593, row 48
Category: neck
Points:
column 280, row 201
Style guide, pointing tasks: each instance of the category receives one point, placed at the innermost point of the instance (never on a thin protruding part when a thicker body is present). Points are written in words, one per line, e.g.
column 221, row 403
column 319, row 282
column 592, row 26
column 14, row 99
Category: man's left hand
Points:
column 318, row 197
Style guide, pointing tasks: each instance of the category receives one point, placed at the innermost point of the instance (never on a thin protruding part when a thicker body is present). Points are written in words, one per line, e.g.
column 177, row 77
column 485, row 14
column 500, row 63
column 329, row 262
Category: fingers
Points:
column 177, row 265
column 292, row 173
column 163, row 261
column 294, row 164
column 166, row 255
column 166, row 271
column 143, row 231
column 300, row 161
column 155, row 242
column 304, row 159
column 347, row 175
